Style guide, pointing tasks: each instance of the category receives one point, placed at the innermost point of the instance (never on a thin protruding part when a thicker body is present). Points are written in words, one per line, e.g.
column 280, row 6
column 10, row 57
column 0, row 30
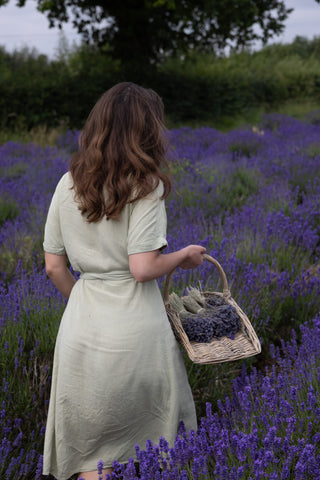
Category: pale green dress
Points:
column 118, row 374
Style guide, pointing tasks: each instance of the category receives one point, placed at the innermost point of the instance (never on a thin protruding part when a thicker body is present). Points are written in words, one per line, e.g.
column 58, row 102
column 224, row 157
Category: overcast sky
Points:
column 25, row 26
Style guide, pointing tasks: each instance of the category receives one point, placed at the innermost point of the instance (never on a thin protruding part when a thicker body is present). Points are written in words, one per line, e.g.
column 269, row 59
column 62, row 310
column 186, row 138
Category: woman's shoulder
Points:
column 64, row 182
column 64, row 185
column 158, row 190
column 152, row 198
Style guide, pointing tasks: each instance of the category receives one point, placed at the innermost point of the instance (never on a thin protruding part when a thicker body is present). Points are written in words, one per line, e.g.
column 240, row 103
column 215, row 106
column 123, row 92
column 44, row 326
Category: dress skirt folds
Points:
column 118, row 372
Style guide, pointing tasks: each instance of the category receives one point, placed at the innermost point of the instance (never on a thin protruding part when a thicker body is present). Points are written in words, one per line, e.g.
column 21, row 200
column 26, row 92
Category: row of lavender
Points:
column 269, row 429
column 252, row 198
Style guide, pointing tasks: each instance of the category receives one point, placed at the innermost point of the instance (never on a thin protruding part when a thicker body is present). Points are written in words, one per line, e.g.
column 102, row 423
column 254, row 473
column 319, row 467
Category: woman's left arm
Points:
column 59, row 273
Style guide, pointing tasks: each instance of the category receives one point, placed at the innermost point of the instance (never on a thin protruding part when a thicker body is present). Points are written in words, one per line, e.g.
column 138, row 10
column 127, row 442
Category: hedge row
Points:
column 34, row 90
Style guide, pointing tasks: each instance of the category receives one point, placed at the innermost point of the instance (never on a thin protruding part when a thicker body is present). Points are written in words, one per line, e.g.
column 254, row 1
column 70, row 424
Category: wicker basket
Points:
column 245, row 342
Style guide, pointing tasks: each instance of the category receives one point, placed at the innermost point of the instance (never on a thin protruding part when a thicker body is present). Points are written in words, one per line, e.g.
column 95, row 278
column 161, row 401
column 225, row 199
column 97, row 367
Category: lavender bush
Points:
column 268, row 429
column 252, row 197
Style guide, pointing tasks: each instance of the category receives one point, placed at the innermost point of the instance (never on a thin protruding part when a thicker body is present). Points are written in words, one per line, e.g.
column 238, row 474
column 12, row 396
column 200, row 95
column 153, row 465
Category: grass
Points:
column 27, row 252
column 26, row 359
column 297, row 108
column 207, row 382
column 40, row 135
column 8, row 210
column 14, row 171
column 235, row 191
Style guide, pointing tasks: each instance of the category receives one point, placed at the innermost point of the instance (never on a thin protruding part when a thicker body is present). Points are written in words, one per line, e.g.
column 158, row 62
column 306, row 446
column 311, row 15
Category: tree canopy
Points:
column 142, row 32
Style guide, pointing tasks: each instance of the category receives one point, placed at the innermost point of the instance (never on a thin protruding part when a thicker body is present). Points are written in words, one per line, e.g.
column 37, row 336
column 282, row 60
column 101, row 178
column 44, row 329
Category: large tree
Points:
column 141, row 32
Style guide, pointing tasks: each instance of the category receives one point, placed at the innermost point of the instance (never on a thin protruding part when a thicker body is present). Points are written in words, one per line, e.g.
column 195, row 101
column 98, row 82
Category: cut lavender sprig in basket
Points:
column 214, row 323
column 206, row 318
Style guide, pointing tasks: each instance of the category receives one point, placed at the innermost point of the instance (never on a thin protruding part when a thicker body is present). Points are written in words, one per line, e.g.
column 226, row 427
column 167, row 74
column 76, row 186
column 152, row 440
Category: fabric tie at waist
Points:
column 106, row 276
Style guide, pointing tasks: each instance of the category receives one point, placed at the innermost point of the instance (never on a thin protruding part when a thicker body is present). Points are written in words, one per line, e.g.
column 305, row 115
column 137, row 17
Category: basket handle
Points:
column 222, row 275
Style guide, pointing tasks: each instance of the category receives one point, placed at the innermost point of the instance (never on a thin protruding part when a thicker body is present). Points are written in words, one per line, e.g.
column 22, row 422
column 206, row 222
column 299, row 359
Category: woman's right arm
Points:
column 151, row 265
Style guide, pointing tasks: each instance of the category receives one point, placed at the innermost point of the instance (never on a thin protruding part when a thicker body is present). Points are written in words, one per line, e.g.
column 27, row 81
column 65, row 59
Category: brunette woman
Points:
column 118, row 374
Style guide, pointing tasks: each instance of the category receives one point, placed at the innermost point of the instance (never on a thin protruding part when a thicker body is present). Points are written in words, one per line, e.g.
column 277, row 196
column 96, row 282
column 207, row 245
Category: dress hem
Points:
column 83, row 468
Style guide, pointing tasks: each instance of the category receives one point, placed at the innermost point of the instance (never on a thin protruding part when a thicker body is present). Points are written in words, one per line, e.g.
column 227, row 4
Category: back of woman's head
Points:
column 121, row 151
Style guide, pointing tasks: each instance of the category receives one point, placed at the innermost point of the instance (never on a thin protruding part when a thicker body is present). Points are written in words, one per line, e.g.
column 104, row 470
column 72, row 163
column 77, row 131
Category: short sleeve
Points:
column 53, row 241
column 148, row 224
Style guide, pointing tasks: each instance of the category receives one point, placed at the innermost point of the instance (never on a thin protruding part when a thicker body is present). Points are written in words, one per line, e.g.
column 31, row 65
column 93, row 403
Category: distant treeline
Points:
column 35, row 91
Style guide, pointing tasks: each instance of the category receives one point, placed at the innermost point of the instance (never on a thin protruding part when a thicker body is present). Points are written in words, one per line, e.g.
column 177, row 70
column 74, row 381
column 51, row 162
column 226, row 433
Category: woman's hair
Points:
column 122, row 148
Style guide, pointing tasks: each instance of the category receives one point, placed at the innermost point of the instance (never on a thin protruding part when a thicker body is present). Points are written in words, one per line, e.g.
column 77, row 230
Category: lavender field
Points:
column 252, row 198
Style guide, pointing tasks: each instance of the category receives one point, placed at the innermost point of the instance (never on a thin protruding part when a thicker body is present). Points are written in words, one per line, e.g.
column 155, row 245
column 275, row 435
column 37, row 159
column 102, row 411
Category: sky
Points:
column 20, row 27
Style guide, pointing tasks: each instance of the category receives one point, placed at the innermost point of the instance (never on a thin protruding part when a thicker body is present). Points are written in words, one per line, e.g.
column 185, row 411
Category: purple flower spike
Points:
column 100, row 468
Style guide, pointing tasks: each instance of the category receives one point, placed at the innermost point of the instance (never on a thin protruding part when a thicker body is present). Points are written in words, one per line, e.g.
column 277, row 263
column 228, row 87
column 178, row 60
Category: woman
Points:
column 118, row 374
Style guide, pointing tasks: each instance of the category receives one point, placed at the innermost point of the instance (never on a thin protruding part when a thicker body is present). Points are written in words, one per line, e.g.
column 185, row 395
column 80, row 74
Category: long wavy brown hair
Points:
column 122, row 150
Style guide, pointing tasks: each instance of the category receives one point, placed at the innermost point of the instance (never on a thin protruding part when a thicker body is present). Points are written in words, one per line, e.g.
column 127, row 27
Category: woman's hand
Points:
column 194, row 256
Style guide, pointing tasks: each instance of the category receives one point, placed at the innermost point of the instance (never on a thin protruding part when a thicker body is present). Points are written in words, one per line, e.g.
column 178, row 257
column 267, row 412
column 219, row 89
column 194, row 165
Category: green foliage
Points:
column 287, row 313
column 313, row 150
column 40, row 96
column 27, row 374
column 28, row 252
column 14, row 171
column 34, row 91
column 208, row 381
column 234, row 191
column 313, row 117
column 40, row 135
column 8, row 210
column 208, row 87
column 241, row 148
